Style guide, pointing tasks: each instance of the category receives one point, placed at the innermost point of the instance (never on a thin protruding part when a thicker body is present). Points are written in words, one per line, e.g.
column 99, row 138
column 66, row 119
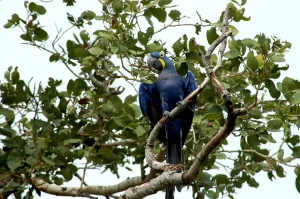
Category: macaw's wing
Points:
column 150, row 104
column 190, row 86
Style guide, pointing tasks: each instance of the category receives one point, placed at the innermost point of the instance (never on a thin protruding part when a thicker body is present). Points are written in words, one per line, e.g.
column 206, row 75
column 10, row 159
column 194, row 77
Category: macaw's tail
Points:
column 170, row 193
column 174, row 156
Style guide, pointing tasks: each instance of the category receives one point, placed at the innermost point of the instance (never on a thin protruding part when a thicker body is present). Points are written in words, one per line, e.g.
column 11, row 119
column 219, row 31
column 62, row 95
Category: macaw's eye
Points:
column 161, row 54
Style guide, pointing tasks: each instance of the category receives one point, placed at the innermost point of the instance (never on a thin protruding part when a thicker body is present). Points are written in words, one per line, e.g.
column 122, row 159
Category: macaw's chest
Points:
column 171, row 90
column 170, row 82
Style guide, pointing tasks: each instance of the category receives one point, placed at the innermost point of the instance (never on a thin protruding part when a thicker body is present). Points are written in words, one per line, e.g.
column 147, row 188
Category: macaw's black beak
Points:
column 155, row 63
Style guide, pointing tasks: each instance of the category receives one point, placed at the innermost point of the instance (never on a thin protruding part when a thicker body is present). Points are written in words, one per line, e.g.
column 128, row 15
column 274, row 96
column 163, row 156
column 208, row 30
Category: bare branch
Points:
column 213, row 46
column 224, row 43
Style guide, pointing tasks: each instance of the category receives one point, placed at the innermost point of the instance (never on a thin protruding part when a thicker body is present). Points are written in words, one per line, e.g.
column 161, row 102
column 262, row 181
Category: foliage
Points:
column 46, row 129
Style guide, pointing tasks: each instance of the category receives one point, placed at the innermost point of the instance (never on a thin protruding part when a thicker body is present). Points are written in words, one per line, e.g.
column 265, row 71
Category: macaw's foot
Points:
column 167, row 114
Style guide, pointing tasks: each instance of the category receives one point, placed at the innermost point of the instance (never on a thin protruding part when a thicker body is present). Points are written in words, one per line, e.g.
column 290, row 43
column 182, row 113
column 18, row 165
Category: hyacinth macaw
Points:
column 161, row 97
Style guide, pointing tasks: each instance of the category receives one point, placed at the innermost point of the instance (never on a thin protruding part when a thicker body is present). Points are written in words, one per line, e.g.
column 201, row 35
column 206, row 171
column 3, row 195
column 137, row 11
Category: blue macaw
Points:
column 161, row 97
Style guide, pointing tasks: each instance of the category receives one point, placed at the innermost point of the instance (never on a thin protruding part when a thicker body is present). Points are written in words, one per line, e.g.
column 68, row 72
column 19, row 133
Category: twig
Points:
column 98, row 83
column 117, row 143
column 177, row 25
column 266, row 157
column 80, row 178
column 71, row 70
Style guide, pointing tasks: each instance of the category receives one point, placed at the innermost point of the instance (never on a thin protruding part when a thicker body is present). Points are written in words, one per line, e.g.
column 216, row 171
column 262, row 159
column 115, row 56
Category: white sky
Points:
column 267, row 16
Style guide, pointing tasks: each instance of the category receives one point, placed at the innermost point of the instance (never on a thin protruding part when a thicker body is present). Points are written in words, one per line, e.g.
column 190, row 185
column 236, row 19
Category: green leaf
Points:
column 96, row 51
column 69, row 2
column 67, row 174
column 280, row 154
column 278, row 58
column 274, row 92
column 117, row 6
column 88, row 15
column 140, row 131
column 70, row 86
column 174, row 15
column 32, row 7
column 177, row 47
column 297, row 170
column 48, row 160
column 13, row 161
column 280, row 171
column 252, row 61
column 212, row 116
column 250, row 43
column 162, row 3
column 211, row 35
column 234, row 30
column 9, row 24
column 221, row 179
column 232, row 54
column 83, row 35
column 275, row 124
column 243, row 2
column 81, row 53
column 296, row 152
column 25, row 37
column 40, row 9
column 40, row 34
column 296, row 98
column 159, row 13
column 130, row 99
column 143, row 39
column 289, row 88
column 58, row 180
column 297, row 182
column 31, row 160
column 116, row 102
column 153, row 47
column 71, row 141
column 15, row 76
column 114, row 49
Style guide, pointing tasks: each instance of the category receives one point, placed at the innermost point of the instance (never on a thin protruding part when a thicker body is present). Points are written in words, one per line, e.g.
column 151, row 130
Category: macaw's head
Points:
column 159, row 61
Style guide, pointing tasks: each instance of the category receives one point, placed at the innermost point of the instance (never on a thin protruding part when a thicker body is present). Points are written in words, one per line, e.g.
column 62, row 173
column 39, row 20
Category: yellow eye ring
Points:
column 162, row 54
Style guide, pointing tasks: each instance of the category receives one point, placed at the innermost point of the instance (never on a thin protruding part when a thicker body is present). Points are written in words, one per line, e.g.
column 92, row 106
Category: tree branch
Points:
column 41, row 185
column 117, row 143
column 266, row 157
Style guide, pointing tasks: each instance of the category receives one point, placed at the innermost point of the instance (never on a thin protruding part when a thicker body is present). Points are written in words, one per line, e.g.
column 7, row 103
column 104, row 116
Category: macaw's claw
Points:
column 167, row 114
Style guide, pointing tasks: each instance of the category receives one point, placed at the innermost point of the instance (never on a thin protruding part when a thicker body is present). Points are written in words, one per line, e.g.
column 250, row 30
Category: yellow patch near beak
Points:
column 162, row 62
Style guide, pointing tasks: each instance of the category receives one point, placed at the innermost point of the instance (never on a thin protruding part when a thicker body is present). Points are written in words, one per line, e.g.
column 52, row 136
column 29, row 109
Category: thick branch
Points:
column 41, row 185
column 198, row 164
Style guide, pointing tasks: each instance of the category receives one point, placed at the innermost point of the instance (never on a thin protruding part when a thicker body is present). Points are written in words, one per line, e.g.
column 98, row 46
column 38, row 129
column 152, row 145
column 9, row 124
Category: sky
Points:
column 268, row 16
